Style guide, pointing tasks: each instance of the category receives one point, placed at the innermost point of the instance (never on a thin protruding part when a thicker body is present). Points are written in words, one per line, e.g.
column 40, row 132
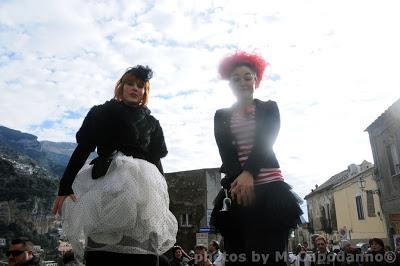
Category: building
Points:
column 384, row 136
column 321, row 207
column 191, row 196
column 300, row 235
column 347, row 206
column 358, row 211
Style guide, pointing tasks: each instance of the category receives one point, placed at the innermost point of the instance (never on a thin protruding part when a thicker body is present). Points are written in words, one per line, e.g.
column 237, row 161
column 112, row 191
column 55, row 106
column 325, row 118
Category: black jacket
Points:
column 115, row 126
column 262, row 155
column 34, row 261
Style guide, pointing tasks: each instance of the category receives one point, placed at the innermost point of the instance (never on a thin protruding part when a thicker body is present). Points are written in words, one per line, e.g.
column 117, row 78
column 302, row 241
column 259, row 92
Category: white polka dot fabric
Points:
column 126, row 211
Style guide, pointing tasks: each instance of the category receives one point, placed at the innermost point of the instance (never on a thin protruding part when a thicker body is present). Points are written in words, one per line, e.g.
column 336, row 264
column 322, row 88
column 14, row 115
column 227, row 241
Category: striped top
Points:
column 243, row 129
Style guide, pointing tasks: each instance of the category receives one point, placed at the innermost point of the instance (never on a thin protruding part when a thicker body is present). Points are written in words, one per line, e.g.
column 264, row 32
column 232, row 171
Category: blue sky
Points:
column 333, row 71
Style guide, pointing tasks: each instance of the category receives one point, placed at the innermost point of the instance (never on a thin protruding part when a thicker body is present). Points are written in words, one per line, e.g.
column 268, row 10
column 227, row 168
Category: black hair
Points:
column 378, row 241
column 28, row 245
column 175, row 248
column 141, row 72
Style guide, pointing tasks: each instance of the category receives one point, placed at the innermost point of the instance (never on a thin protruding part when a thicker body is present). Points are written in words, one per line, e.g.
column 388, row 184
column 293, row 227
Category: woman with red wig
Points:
column 118, row 203
column 256, row 209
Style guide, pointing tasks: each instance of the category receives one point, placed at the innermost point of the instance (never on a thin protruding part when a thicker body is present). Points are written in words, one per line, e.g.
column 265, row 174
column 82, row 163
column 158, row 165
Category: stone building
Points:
column 384, row 135
column 191, row 201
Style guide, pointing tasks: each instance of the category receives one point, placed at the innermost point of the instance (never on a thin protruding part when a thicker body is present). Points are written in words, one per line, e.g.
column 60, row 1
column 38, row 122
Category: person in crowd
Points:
column 376, row 253
column 302, row 258
column 314, row 245
column 216, row 256
column 20, row 253
column 118, row 203
column 255, row 210
column 347, row 256
column 305, row 245
column 323, row 256
column 200, row 257
column 179, row 257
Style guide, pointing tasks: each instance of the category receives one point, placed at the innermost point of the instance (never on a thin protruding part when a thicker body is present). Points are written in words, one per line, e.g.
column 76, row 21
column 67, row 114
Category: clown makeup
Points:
column 242, row 81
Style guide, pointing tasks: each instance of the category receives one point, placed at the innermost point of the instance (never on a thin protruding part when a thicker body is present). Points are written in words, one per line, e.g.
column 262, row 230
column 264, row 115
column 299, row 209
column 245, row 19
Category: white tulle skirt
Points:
column 126, row 211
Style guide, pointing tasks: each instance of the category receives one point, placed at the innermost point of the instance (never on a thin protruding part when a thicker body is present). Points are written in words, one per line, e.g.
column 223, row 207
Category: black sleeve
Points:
column 77, row 160
column 218, row 135
column 227, row 151
column 275, row 125
column 87, row 133
column 157, row 148
column 86, row 144
column 254, row 162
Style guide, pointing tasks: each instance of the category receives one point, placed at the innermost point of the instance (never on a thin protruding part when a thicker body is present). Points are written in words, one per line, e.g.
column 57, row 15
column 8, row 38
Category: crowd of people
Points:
column 347, row 255
column 20, row 253
column 200, row 256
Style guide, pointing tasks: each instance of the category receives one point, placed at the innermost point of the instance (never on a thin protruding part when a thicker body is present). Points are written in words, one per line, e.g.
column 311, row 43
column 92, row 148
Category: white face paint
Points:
column 243, row 83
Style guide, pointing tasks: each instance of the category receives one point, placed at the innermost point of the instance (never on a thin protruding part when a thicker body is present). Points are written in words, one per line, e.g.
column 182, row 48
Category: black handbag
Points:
column 100, row 166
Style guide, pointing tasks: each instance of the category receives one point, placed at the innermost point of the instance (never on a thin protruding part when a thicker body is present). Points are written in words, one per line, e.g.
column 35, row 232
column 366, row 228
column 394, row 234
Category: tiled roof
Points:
column 337, row 179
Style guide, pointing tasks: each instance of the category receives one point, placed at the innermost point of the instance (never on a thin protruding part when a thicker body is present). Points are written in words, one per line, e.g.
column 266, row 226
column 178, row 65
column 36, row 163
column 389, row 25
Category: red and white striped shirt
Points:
column 243, row 129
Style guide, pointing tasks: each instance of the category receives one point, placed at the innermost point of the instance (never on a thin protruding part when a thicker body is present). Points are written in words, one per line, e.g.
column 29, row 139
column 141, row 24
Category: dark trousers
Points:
column 252, row 242
column 252, row 248
column 100, row 258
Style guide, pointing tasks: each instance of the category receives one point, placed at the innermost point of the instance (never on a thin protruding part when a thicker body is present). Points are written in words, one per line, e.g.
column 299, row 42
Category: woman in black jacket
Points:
column 118, row 203
column 261, row 211
column 376, row 255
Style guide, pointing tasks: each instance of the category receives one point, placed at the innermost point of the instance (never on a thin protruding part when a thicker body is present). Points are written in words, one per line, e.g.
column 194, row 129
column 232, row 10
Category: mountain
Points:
column 52, row 156
column 29, row 174
column 27, row 193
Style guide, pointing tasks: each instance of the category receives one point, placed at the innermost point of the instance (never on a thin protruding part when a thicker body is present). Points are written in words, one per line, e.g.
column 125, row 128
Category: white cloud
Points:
column 336, row 62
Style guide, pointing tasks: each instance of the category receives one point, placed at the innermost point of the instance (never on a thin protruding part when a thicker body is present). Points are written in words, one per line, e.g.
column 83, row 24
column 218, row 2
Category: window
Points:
column 360, row 210
column 393, row 159
column 328, row 215
column 370, row 204
column 185, row 220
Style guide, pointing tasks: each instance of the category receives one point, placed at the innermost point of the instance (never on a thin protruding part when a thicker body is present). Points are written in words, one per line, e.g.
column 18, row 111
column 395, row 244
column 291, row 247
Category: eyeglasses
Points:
column 14, row 253
column 246, row 78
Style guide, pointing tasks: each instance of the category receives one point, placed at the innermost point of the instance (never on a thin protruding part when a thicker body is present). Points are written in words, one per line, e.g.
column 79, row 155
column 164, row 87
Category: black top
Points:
column 324, row 259
column 115, row 126
column 262, row 155
column 34, row 261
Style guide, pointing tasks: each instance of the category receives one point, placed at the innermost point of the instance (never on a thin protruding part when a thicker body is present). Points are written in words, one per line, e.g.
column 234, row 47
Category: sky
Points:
column 333, row 70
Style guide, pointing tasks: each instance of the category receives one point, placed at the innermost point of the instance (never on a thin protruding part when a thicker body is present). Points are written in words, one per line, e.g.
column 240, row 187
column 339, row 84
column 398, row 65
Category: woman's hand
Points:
column 242, row 189
column 58, row 202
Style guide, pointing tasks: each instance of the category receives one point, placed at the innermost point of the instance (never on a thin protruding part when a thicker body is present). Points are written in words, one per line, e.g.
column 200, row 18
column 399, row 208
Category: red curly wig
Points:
column 239, row 58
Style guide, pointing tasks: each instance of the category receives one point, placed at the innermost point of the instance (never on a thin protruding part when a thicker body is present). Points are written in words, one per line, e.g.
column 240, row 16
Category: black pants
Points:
column 251, row 241
column 252, row 233
column 100, row 258
column 256, row 246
